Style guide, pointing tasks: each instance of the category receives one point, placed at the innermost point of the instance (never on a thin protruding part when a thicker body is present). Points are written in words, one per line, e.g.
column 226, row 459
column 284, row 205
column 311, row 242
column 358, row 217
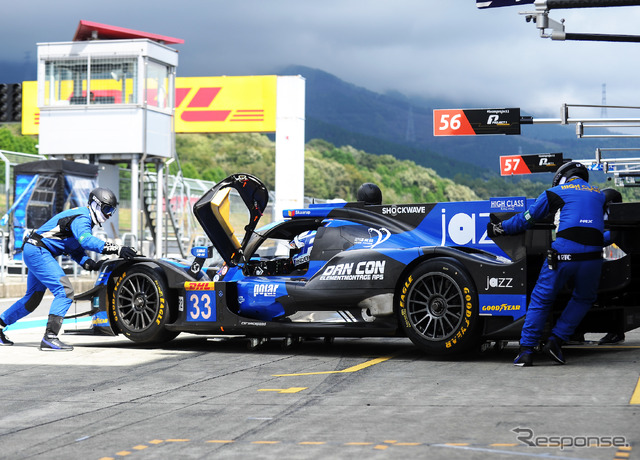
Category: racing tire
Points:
column 437, row 305
column 141, row 306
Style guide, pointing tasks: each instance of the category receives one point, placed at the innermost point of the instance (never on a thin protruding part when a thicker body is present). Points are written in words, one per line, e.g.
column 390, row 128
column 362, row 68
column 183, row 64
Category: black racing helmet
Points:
column 105, row 200
column 611, row 195
column 571, row 169
column 369, row 193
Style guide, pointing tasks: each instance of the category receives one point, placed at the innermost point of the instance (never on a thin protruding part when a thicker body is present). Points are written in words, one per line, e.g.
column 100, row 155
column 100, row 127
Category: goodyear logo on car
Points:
column 500, row 308
column 100, row 319
column 512, row 204
column 502, row 305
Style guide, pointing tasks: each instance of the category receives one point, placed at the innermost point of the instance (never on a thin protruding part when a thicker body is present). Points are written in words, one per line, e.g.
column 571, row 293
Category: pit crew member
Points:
column 576, row 255
column 66, row 233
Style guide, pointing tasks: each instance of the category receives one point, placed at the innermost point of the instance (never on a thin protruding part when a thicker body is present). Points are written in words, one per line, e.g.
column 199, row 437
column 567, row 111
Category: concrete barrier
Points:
column 15, row 286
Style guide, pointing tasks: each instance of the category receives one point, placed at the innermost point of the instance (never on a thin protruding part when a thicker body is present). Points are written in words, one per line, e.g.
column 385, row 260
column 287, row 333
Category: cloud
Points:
column 426, row 48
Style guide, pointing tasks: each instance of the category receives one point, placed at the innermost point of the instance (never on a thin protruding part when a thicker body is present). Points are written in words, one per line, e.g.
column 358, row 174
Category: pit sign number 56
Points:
column 451, row 122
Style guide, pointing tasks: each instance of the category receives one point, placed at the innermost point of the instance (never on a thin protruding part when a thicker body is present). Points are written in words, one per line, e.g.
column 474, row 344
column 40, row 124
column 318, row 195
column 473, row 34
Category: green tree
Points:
column 11, row 140
column 330, row 171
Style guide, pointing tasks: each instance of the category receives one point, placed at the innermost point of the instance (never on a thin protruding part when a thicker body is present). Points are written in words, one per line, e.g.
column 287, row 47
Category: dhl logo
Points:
column 225, row 104
column 200, row 285
column 204, row 99
column 202, row 105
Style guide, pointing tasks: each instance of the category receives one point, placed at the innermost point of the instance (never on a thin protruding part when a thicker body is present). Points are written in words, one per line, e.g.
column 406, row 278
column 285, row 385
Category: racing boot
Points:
column 576, row 339
column 611, row 338
column 553, row 349
column 50, row 341
column 4, row 340
column 524, row 358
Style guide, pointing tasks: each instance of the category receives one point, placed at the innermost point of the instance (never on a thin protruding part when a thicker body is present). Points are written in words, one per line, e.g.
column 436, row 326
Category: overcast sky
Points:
column 434, row 48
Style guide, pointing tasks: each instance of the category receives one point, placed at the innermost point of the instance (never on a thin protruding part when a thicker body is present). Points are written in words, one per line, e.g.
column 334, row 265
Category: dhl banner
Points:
column 225, row 104
column 30, row 112
column 202, row 105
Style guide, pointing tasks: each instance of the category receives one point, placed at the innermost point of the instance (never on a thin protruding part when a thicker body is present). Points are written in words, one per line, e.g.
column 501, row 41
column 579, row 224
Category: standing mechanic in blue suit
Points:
column 576, row 255
column 66, row 233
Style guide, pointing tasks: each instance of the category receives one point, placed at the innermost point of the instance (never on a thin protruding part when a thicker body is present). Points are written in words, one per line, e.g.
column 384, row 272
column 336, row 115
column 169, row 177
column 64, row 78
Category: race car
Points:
column 424, row 271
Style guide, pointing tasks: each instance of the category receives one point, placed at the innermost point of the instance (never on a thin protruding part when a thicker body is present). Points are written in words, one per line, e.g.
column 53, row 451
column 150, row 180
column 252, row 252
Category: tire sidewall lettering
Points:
column 463, row 336
column 114, row 298
column 160, row 314
column 403, row 296
column 154, row 331
column 464, row 326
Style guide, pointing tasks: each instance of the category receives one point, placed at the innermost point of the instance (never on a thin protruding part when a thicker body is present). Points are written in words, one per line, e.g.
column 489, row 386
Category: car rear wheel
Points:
column 438, row 307
column 140, row 305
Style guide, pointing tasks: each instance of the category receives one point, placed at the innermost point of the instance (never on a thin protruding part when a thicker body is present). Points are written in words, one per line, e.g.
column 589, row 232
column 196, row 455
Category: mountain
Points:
column 345, row 114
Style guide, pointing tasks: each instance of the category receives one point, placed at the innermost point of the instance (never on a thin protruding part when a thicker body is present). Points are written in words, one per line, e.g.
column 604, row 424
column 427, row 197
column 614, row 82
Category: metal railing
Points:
column 2, row 256
column 10, row 159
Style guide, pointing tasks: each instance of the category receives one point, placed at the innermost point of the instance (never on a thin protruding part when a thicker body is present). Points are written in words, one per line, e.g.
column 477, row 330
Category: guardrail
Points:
column 2, row 256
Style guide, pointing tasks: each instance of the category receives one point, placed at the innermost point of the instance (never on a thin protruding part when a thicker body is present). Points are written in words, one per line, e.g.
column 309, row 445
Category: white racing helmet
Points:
column 301, row 247
column 102, row 203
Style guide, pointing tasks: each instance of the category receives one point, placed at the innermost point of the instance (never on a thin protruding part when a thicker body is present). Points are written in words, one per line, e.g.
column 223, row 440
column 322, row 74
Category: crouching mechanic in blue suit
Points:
column 579, row 241
column 66, row 233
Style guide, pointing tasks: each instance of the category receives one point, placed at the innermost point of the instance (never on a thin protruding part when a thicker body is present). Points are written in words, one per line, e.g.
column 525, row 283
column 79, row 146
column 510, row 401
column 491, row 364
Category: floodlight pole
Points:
column 556, row 29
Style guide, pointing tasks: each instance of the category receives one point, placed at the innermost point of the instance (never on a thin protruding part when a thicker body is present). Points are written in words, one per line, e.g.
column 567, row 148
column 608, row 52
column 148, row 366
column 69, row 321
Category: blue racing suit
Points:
column 66, row 233
column 579, row 235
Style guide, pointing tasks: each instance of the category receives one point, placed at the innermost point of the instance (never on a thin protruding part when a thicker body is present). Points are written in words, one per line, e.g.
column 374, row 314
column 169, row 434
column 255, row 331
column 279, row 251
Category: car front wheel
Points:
column 140, row 305
column 438, row 307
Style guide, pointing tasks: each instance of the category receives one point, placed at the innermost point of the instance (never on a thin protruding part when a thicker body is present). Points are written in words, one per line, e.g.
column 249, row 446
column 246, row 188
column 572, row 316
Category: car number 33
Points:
column 200, row 307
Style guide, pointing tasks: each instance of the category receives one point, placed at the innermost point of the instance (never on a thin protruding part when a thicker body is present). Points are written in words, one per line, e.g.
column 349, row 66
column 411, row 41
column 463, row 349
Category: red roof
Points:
column 86, row 31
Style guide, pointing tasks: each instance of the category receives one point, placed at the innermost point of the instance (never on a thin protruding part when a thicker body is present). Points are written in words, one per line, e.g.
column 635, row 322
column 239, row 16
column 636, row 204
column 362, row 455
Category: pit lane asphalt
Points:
column 199, row 397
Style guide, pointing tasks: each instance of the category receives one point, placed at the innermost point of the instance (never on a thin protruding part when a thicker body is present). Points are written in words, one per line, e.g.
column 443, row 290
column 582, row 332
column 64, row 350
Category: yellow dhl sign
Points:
column 202, row 105
column 225, row 104
column 199, row 285
column 30, row 112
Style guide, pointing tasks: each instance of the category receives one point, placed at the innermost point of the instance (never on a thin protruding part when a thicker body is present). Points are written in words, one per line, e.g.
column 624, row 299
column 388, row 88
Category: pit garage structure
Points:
column 106, row 98
column 109, row 97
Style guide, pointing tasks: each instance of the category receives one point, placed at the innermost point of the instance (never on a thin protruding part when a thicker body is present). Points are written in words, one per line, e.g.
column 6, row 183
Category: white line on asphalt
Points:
column 508, row 452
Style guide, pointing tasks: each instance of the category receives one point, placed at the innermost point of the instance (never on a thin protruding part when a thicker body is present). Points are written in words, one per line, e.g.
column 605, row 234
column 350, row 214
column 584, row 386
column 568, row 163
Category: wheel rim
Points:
column 435, row 306
column 138, row 302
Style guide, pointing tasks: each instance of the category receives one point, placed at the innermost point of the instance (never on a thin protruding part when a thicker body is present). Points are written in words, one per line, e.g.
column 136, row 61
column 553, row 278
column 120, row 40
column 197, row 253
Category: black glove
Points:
column 92, row 265
column 127, row 253
column 111, row 248
column 494, row 228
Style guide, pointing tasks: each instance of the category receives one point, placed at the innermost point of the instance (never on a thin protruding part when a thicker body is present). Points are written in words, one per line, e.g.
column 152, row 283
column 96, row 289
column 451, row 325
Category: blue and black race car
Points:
column 425, row 271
